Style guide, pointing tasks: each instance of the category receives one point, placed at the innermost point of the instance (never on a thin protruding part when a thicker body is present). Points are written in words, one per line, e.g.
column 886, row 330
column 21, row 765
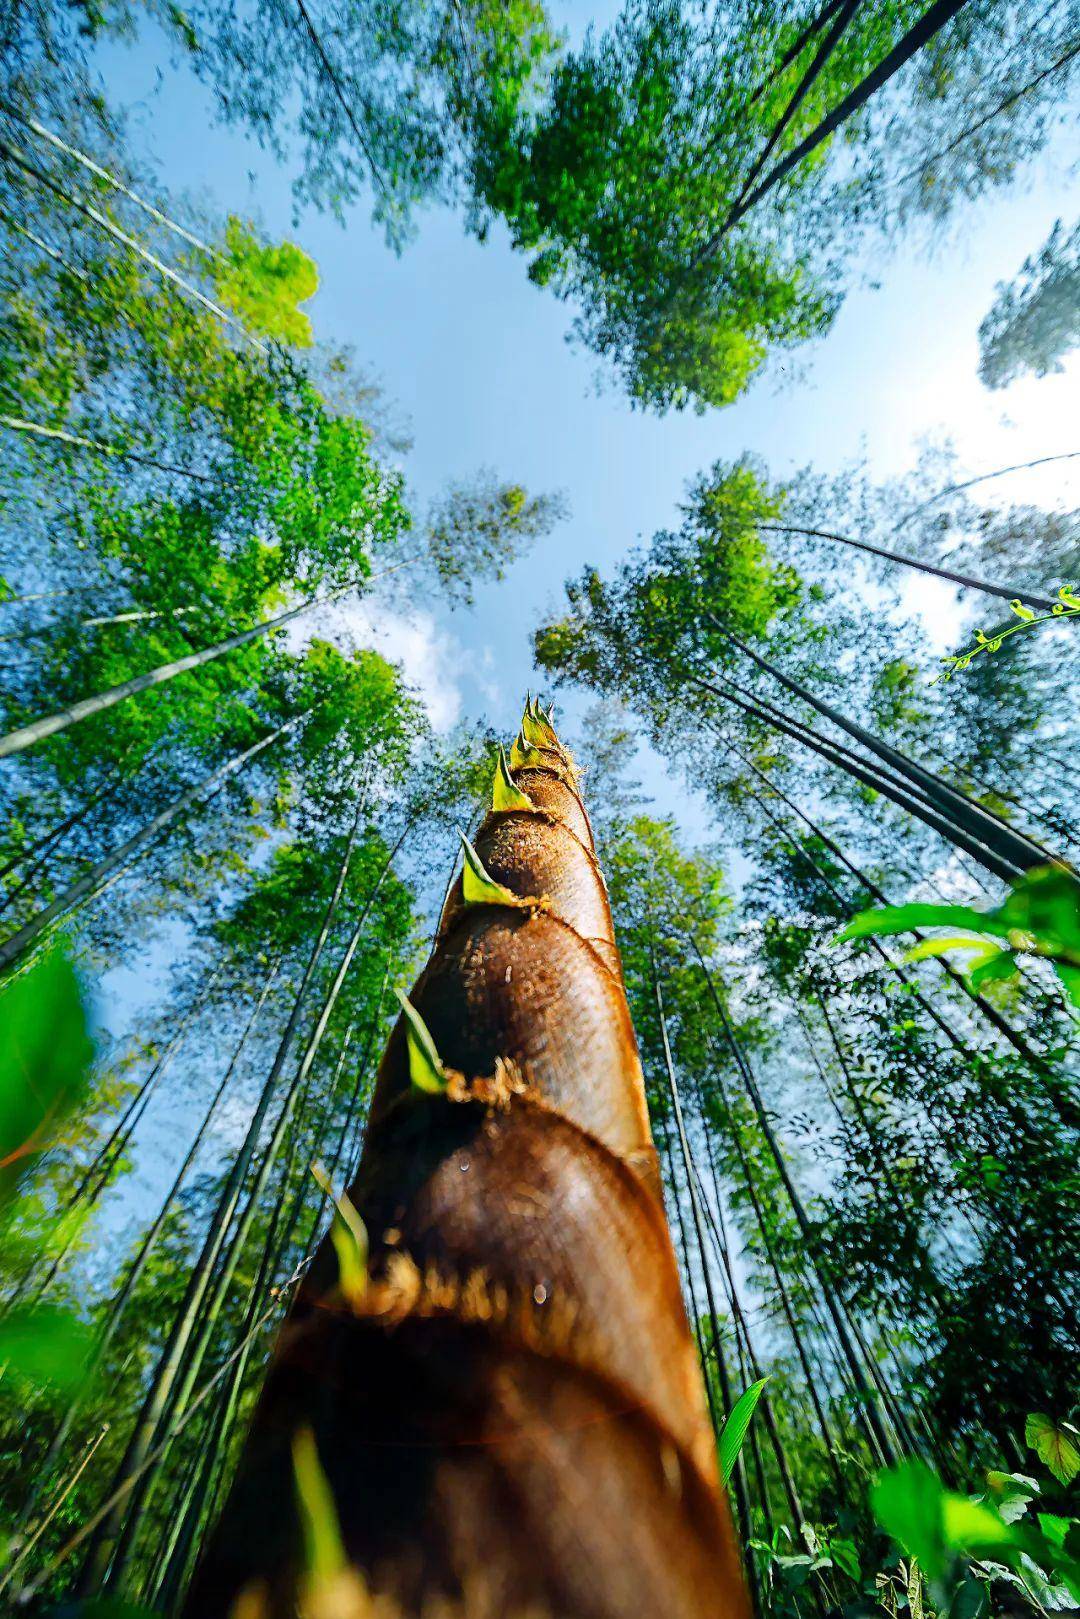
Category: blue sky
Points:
column 477, row 360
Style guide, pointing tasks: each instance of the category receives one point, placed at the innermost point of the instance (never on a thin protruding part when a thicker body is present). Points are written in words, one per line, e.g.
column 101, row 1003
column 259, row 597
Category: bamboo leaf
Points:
column 1055, row 1445
column 426, row 1068
column 982, row 949
column 330, row 1585
column 733, row 1433
column 506, row 794
column 349, row 1236
column 477, row 887
column 906, row 918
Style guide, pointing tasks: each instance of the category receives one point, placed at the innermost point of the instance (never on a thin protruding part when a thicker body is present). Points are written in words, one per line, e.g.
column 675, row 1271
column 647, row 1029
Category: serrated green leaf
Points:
column 506, row 794
column 477, row 887
column 733, row 1433
column 1054, row 1445
column 426, row 1068
column 999, row 965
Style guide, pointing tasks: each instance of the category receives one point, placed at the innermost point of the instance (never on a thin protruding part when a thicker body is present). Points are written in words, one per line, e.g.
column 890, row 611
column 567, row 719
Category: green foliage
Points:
column 479, row 528
column 1055, row 1445
column 264, row 285
column 942, row 1530
column 1034, row 322
column 737, row 1426
column 1040, row 917
column 45, row 1063
column 1067, row 607
column 46, row 1057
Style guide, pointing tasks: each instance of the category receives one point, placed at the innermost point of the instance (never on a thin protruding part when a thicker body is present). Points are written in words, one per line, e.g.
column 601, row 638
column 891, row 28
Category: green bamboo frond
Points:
column 426, row 1069
column 477, row 887
column 506, row 794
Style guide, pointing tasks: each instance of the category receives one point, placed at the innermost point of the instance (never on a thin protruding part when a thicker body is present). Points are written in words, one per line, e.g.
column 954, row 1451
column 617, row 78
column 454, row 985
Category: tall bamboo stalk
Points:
column 103, row 1542
column 112, row 866
column 514, row 1382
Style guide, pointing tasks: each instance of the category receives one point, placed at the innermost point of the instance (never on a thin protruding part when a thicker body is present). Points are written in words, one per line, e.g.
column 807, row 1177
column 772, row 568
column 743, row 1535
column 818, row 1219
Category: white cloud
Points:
column 427, row 655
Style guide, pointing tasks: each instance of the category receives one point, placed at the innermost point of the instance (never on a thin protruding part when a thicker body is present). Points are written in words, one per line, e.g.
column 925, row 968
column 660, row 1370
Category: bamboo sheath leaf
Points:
column 87, row 707
column 506, row 794
column 113, row 865
column 426, row 1069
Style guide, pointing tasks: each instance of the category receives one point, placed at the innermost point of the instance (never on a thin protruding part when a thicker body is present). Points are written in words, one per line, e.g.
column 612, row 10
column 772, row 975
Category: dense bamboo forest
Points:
column 598, row 1153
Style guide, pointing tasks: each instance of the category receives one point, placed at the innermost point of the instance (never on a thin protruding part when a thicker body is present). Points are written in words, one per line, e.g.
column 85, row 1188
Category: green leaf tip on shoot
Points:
column 536, row 728
column 505, row 793
column 523, row 754
column 329, row 1584
column 426, row 1068
column 737, row 1425
column 349, row 1236
column 477, row 887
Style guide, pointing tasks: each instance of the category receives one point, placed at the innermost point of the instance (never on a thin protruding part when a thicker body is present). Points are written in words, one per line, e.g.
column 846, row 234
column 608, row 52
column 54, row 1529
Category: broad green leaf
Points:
column 1012, row 1493
column 350, row 1239
column 917, row 914
column 506, row 794
column 425, row 1065
column 1054, row 1528
column 736, row 1426
column 46, row 1346
column 477, row 887
column 907, row 1503
column 846, row 1557
column 926, row 948
column 45, row 1058
column 999, row 965
column 972, row 1526
column 1055, row 1446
